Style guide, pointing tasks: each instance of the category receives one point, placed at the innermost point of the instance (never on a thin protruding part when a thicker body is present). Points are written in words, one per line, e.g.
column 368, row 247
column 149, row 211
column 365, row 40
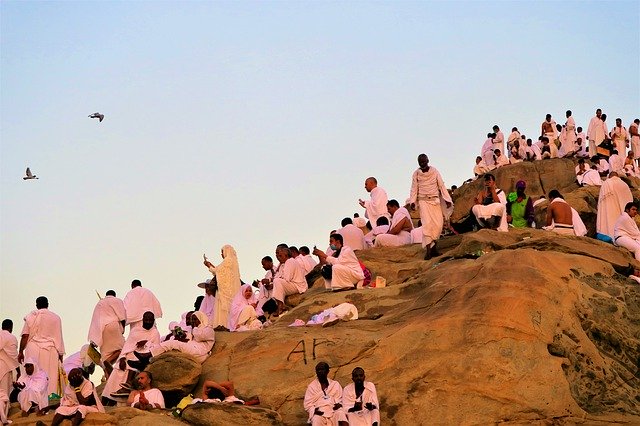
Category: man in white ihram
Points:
column 107, row 326
column 42, row 341
column 377, row 206
column 399, row 232
column 138, row 301
column 625, row 231
column 427, row 188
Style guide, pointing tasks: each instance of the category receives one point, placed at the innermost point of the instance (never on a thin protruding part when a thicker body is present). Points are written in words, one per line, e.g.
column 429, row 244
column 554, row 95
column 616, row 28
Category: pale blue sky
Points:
column 255, row 123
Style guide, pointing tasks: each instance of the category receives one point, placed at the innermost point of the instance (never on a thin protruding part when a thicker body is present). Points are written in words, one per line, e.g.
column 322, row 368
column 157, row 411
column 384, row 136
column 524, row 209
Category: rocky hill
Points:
column 524, row 327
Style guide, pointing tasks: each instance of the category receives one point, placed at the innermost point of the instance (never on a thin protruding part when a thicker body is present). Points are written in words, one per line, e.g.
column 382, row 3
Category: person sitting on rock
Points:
column 80, row 398
column 323, row 399
column 490, row 208
column 360, row 400
column 145, row 397
column 587, row 174
column 32, row 384
column 242, row 315
column 559, row 214
column 140, row 338
column 289, row 278
column 520, row 212
column 399, row 233
column 625, row 232
column 342, row 269
column 198, row 347
column 382, row 226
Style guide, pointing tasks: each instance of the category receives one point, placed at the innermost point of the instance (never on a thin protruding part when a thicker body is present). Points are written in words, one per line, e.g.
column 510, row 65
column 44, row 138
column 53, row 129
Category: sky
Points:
column 254, row 123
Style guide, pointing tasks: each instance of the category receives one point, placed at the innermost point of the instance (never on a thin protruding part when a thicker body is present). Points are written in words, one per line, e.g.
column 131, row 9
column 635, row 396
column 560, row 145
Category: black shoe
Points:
column 427, row 253
column 434, row 252
column 137, row 365
column 142, row 356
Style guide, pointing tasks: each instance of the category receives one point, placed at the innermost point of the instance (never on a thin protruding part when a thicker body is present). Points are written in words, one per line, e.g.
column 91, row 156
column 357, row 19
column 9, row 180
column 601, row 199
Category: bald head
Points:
column 370, row 183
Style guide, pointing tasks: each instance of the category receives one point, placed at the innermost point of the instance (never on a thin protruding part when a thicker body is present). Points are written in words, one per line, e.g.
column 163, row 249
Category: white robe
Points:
column 106, row 328
column 377, row 206
column 35, row 387
column 45, row 344
column 289, row 280
column 616, row 163
column 481, row 168
column 427, row 188
column 352, row 236
column 346, row 271
column 8, row 363
column 626, row 234
column 635, row 141
column 308, row 263
column 371, row 235
column 203, row 340
column 486, row 152
column 315, row 397
column 264, row 294
column 614, row 195
column 619, row 139
column 494, row 209
column 153, row 395
column 363, row 417
column 138, row 301
column 69, row 405
column 242, row 312
column 396, row 240
column 570, row 132
column 596, row 132
column 79, row 359
column 502, row 160
column 576, row 228
column 208, row 307
column 228, row 277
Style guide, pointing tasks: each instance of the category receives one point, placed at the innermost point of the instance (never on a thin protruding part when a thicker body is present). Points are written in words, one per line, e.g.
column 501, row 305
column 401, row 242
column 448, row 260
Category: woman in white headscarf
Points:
column 33, row 384
column 198, row 347
column 227, row 276
column 243, row 315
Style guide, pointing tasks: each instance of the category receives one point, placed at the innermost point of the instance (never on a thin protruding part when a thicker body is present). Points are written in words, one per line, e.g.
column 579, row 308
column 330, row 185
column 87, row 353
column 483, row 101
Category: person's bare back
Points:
column 560, row 213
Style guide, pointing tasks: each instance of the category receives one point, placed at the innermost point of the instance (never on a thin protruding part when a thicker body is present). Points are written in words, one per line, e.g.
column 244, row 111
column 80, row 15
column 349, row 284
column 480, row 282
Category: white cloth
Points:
column 377, row 206
column 35, row 386
column 494, row 209
column 238, row 305
column 619, row 137
column 536, row 152
column 308, row 263
column 427, row 188
column 602, row 166
column 626, row 234
column 570, row 132
column 576, row 228
column 289, row 280
column 228, row 277
column 346, row 271
column 590, row 177
column 79, row 359
column 208, row 307
column 371, row 235
column 153, row 395
column 596, row 132
column 324, row 400
column 263, row 293
column 635, row 140
column 138, row 301
column 69, row 405
column 45, row 343
column 352, row 236
column 8, row 363
column 343, row 311
column 614, row 195
column 395, row 240
column 482, row 168
column 502, row 160
column 416, row 235
column 363, row 417
column 486, row 152
column 498, row 142
column 203, row 340
column 106, row 328
column 616, row 163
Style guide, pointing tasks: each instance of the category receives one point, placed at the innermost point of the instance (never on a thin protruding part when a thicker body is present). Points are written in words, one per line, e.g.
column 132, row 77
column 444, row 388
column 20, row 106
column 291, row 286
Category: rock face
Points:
column 522, row 326
column 205, row 414
column 175, row 374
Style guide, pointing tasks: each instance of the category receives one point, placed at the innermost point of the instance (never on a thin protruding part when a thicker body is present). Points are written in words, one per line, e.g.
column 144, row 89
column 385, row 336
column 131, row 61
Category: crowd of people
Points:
column 34, row 370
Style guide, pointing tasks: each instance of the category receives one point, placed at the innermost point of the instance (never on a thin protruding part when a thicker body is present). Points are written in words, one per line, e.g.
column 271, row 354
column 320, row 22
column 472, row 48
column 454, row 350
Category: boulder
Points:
column 175, row 374
column 208, row 414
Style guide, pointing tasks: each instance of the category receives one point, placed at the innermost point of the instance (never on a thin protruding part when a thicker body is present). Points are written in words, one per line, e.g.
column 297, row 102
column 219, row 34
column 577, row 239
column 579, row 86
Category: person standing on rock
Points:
column 596, row 132
column 634, row 135
column 107, row 326
column 138, row 301
column 626, row 232
column 323, row 399
column 360, row 400
column 227, row 276
column 8, row 363
column 427, row 188
column 377, row 206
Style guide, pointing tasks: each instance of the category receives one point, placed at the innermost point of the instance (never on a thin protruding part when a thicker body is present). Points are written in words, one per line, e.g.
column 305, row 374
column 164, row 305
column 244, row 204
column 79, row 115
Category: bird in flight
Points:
column 29, row 175
column 98, row 116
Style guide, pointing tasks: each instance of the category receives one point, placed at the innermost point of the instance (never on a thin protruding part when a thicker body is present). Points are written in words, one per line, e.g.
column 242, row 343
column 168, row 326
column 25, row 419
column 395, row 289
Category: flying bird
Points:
column 29, row 175
column 98, row 116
